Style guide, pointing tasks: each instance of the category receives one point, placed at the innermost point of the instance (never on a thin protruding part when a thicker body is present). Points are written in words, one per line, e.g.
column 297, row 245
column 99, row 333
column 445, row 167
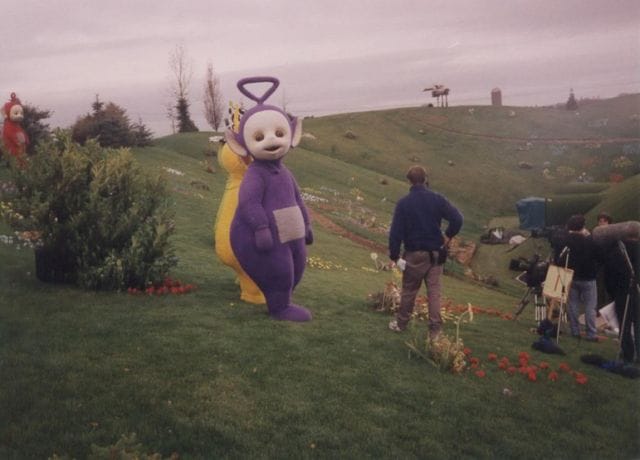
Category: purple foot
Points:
column 292, row 313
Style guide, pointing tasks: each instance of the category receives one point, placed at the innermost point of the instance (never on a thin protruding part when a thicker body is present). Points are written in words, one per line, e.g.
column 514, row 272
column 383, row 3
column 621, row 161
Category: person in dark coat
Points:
column 578, row 252
column 416, row 225
column 620, row 265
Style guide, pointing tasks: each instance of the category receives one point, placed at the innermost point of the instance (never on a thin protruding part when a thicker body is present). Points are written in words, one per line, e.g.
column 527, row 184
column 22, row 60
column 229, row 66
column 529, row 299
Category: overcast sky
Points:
column 331, row 55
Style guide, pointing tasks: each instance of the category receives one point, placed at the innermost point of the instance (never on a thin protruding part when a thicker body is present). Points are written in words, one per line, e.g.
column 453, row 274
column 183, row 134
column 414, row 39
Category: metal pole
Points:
column 564, row 292
column 625, row 254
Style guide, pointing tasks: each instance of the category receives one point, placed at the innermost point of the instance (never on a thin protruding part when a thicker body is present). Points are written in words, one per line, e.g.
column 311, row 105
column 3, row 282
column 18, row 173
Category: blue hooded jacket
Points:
column 417, row 220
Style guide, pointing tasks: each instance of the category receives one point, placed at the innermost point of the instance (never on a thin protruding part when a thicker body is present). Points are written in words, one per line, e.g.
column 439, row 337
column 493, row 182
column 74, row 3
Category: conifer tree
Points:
column 180, row 69
column 213, row 106
column 111, row 126
column 185, row 124
column 36, row 130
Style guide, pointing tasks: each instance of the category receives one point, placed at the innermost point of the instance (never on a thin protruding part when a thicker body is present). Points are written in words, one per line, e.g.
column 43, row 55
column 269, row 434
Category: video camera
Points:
column 535, row 270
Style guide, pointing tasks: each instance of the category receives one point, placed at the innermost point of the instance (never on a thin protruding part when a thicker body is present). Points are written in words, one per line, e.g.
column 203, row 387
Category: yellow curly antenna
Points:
column 235, row 110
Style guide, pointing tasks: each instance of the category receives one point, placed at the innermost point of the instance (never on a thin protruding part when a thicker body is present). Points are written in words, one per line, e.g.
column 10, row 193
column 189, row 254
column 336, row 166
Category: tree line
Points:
column 110, row 125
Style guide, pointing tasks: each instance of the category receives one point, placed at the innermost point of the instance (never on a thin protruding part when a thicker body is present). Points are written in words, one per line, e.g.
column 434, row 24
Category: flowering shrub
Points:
column 616, row 178
column 444, row 353
column 318, row 262
column 530, row 371
column 621, row 162
column 103, row 222
column 387, row 300
column 168, row 286
column 21, row 239
column 565, row 171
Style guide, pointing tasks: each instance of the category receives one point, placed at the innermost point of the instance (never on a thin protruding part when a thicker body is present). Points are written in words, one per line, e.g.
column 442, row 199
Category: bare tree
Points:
column 213, row 106
column 181, row 71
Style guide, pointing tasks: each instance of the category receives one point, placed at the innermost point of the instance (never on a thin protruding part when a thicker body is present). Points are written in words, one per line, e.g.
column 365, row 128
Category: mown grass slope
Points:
column 208, row 376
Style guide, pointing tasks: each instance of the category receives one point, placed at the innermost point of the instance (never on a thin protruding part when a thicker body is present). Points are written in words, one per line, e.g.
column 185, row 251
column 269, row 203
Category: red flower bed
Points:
column 169, row 286
column 531, row 371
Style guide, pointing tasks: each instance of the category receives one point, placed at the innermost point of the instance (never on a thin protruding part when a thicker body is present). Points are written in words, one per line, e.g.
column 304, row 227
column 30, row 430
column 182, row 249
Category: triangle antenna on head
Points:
column 260, row 100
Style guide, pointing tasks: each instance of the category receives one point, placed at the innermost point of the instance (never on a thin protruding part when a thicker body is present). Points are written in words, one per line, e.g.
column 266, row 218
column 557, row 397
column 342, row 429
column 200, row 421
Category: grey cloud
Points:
column 332, row 55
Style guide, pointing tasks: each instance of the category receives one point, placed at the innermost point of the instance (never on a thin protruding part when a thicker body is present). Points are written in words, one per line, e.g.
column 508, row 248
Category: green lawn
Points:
column 208, row 376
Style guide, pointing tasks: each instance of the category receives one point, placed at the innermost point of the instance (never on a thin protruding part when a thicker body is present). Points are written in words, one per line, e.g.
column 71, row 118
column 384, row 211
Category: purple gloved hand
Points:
column 264, row 240
column 308, row 237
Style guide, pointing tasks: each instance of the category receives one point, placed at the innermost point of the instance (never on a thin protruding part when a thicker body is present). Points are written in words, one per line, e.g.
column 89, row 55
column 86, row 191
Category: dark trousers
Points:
column 421, row 266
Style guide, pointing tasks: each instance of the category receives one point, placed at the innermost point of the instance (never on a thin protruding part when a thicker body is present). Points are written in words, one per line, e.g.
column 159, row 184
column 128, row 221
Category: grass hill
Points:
column 206, row 376
column 486, row 153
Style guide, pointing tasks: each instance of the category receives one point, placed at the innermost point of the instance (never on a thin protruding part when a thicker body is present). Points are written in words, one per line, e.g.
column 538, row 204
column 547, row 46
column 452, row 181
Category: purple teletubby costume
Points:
column 271, row 225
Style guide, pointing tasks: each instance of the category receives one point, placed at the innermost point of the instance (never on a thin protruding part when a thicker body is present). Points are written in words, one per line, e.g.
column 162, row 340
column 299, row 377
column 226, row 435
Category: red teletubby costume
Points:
column 14, row 137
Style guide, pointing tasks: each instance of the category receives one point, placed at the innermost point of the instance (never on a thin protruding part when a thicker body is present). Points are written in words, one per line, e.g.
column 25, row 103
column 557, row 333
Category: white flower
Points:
column 173, row 171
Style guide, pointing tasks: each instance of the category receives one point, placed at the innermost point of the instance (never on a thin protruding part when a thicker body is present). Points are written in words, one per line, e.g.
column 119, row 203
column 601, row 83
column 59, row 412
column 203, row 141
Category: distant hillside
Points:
column 484, row 159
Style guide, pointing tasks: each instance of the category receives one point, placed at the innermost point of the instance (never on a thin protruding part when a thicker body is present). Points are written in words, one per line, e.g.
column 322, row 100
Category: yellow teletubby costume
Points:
column 235, row 167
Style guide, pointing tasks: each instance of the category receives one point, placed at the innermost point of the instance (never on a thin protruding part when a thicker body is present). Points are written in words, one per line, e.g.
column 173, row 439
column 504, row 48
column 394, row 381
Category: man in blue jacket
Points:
column 416, row 224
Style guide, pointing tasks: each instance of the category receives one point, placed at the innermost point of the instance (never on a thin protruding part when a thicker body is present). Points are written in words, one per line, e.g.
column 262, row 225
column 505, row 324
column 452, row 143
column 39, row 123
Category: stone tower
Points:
column 496, row 97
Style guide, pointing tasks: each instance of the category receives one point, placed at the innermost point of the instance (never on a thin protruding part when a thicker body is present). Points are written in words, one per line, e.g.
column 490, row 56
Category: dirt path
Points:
column 330, row 225
column 462, row 251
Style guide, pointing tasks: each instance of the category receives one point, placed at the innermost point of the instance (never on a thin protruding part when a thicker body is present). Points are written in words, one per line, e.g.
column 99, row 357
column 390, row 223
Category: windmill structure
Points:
column 441, row 93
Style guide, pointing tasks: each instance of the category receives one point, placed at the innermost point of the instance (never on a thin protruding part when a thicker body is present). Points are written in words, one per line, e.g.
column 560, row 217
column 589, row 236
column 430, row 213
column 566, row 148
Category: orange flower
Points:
column 474, row 361
column 512, row 370
column 532, row 376
column 466, row 351
column 503, row 364
column 564, row 367
column 553, row 376
column 492, row 357
column 480, row 373
column 524, row 355
column 581, row 379
column 544, row 365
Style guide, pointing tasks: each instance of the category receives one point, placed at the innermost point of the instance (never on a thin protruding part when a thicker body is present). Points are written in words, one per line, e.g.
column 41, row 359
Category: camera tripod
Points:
column 633, row 291
column 539, row 303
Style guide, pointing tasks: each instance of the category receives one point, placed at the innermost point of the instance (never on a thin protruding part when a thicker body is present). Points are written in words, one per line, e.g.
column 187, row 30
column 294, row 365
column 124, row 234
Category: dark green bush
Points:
column 110, row 125
column 102, row 220
column 37, row 130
